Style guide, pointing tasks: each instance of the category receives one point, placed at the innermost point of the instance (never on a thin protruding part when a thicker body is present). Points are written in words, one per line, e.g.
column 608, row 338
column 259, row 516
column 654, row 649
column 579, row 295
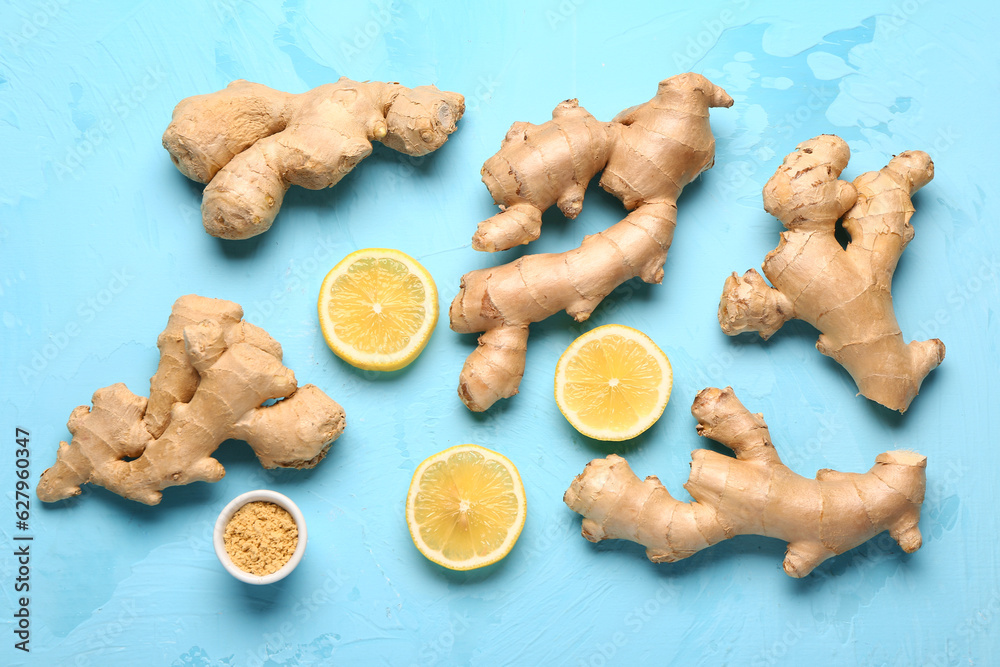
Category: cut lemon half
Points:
column 466, row 507
column 377, row 309
column 612, row 383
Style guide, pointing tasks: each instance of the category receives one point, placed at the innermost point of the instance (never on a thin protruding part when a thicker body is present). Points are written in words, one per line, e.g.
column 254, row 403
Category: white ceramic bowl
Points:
column 218, row 536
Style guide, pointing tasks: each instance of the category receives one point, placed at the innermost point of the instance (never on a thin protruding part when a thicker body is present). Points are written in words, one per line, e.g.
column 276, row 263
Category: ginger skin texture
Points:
column 846, row 294
column 648, row 153
column 753, row 494
column 215, row 373
column 249, row 143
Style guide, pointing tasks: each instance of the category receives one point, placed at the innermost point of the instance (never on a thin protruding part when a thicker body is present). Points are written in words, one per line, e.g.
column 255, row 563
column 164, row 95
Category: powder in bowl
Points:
column 261, row 537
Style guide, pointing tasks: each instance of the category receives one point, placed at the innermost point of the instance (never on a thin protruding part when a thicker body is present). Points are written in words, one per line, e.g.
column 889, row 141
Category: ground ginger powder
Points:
column 261, row 537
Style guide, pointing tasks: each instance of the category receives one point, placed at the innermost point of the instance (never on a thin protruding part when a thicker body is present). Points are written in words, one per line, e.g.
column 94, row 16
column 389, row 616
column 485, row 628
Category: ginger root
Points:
column 249, row 142
column 846, row 294
column 753, row 494
column 648, row 154
column 215, row 373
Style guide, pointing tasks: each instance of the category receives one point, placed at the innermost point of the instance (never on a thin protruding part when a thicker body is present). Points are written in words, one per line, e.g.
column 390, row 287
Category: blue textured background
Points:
column 100, row 233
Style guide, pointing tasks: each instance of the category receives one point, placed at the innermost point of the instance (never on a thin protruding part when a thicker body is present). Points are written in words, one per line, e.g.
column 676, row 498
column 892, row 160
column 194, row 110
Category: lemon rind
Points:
column 608, row 435
column 498, row 554
column 379, row 361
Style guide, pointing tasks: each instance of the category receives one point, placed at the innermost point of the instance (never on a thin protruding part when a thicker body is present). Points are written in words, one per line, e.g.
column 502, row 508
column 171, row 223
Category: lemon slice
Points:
column 377, row 309
column 466, row 507
column 612, row 383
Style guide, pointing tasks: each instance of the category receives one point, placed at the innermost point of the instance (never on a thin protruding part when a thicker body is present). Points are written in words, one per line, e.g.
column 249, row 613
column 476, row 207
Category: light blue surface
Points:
column 100, row 233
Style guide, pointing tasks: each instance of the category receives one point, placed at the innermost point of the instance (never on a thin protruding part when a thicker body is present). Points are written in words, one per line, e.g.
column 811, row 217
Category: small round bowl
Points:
column 218, row 537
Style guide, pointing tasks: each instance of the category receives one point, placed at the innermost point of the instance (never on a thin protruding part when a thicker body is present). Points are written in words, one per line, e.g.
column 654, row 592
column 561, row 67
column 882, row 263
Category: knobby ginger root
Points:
column 753, row 494
column 648, row 154
column 846, row 294
column 215, row 373
column 249, row 142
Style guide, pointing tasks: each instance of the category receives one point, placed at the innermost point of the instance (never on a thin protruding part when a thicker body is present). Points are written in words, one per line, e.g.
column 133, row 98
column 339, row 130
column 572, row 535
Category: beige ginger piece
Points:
column 249, row 143
column 846, row 294
column 648, row 153
column 538, row 166
column 215, row 373
column 753, row 494
column 261, row 537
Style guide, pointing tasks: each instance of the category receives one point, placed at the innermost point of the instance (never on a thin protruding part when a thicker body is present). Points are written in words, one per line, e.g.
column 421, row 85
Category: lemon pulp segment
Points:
column 377, row 305
column 377, row 309
column 613, row 383
column 466, row 507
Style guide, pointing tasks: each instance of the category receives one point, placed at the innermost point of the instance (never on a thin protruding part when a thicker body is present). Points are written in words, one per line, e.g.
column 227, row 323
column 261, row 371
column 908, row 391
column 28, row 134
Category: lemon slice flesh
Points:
column 466, row 507
column 377, row 309
column 612, row 383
